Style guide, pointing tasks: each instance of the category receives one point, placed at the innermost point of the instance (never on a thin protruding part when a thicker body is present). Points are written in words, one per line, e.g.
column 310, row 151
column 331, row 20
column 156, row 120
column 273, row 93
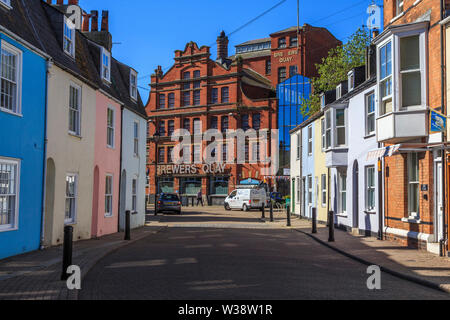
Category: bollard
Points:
column 331, row 226
column 263, row 213
column 288, row 214
column 192, row 201
column 67, row 251
column 271, row 211
column 127, row 225
column 187, row 201
column 314, row 220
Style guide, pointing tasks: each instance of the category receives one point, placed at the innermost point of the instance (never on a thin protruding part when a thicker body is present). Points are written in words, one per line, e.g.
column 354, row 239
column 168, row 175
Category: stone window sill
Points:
column 412, row 220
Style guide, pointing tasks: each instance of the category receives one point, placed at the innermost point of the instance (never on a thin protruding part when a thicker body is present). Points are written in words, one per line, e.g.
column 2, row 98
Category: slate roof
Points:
column 41, row 25
column 264, row 40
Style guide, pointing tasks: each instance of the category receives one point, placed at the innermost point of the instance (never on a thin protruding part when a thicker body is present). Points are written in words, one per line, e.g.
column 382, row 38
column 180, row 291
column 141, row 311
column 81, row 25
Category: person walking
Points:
column 199, row 198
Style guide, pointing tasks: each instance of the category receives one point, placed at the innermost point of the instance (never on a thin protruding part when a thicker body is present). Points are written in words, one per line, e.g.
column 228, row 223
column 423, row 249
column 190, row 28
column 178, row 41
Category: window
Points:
column 386, row 78
column 196, row 97
column 342, row 192
column 298, row 146
column 134, row 195
column 162, row 101
column 214, row 95
column 197, row 126
column 281, row 74
column 110, row 128
column 106, row 65
column 410, row 74
column 196, row 74
column 310, row 140
column 340, row 128
column 338, row 92
column 170, row 154
column 69, row 38
column 398, row 7
column 370, row 188
column 244, row 120
column 109, row 196
column 187, row 124
column 171, row 100
column 162, row 128
column 197, row 84
column 310, row 189
column 297, row 180
column 413, row 185
column 219, row 185
column 268, row 66
column 256, row 121
column 293, row 41
column 328, row 130
column 255, row 152
column 136, row 138
column 74, row 110
column 11, row 78
column 9, row 194
column 224, row 95
column 293, row 70
column 214, row 122
column 6, row 2
column 246, row 151
column 323, row 130
column 281, row 43
column 161, row 155
column 370, row 113
column 224, row 153
column 71, row 198
column 322, row 100
column 224, row 124
column 170, row 127
column 187, row 84
column 133, row 84
column 197, row 154
column 186, row 98
column 351, row 80
column 186, row 154
column 324, row 190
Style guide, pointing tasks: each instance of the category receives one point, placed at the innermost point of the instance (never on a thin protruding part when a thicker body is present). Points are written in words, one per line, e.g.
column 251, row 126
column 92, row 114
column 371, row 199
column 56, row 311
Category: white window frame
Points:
column 323, row 133
column 298, row 193
column 310, row 140
column 342, row 176
column 370, row 188
column 112, row 128
column 6, row 3
column 336, row 128
column 18, row 82
column 105, row 53
column 370, row 114
column 133, row 86
column 322, row 100
column 323, row 195
column 15, row 224
column 299, row 137
column 338, row 91
column 109, row 196
column 70, row 26
column 310, row 190
column 72, row 220
column 136, row 138
column 411, row 182
column 399, row 7
column 77, row 131
column 351, row 80
column 134, row 191
column 328, row 130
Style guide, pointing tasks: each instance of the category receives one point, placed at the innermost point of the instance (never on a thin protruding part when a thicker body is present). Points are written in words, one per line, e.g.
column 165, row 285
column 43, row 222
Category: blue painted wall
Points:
column 22, row 137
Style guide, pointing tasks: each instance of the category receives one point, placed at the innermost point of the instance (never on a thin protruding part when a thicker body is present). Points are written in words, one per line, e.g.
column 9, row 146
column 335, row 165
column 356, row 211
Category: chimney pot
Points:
column 86, row 20
column 94, row 22
column 222, row 46
column 75, row 2
column 60, row 2
column 105, row 20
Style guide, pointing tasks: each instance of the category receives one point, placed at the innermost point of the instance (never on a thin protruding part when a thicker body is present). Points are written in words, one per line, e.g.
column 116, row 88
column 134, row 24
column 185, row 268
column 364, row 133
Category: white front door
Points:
column 439, row 232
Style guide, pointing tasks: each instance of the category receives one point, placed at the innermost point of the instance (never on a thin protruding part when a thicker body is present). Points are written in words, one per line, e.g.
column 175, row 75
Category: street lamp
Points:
column 156, row 138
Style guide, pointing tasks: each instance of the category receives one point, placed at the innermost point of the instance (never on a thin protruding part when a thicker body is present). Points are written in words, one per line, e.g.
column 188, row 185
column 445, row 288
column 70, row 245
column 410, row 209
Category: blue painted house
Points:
column 23, row 69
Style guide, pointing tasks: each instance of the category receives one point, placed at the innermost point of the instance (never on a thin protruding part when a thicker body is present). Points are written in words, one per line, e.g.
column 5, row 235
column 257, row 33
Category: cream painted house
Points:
column 320, row 170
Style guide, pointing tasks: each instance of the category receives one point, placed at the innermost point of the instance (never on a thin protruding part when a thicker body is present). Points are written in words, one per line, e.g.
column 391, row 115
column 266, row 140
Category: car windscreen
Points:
column 170, row 197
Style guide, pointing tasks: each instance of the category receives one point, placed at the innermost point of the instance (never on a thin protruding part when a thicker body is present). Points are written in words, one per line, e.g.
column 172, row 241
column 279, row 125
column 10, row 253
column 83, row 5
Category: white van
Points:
column 246, row 199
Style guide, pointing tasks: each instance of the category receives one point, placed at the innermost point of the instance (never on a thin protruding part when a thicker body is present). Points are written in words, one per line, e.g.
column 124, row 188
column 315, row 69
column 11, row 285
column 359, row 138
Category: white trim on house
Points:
column 4, row 45
column 105, row 65
column 133, row 85
column 17, row 163
column 78, row 89
column 109, row 196
column 69, row 27
column 73, row 219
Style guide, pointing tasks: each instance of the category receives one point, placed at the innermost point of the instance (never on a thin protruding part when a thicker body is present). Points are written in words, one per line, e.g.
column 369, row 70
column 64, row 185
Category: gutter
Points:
column 25, row 43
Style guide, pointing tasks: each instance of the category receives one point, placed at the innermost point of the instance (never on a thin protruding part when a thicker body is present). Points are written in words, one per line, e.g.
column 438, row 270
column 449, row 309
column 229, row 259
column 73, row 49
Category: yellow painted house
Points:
column 320, row 170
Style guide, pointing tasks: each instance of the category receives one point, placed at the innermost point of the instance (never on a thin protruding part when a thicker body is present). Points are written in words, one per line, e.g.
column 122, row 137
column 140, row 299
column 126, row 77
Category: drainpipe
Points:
column 444, row 137
column 44, row 170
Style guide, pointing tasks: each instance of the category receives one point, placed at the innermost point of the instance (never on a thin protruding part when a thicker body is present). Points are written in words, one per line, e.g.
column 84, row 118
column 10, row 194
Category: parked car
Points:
column 168, row 202
column 245, row 199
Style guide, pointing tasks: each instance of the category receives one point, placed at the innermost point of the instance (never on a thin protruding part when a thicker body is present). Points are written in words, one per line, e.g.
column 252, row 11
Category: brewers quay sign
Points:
column 191, row 169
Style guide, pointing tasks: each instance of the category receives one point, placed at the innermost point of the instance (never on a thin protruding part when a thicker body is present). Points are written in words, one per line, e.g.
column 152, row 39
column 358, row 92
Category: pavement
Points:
column 35, row 276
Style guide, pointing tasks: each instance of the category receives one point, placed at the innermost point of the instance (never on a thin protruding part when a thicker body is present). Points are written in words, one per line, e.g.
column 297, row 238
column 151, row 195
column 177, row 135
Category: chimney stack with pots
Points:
column 222, row 46
column 105, row 20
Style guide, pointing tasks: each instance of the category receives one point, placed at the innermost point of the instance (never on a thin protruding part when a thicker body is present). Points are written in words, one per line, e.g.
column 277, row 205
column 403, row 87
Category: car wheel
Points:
column 245, row 207
column 227, row 207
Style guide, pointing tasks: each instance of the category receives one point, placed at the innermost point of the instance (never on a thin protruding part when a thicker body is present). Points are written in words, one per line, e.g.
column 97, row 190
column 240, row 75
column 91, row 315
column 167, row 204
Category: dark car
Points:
column 168, row 202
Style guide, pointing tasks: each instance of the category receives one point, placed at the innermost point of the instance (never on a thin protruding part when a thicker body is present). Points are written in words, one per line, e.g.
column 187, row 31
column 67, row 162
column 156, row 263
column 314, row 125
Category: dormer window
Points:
column 351, row 80
column 322, row 100
column 133, row 84
column 106, row 65
column 69, row 37
column 6, row 3
column 338, row 92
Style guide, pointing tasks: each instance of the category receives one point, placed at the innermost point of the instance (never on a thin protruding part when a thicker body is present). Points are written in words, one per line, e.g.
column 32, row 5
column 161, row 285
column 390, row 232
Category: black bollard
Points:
column 67, row 251
column 331, row 226
column 192, row 201
column 288, row 214
column 271, row 211
column 127, row 225
column 263, row 213
column 314, row 220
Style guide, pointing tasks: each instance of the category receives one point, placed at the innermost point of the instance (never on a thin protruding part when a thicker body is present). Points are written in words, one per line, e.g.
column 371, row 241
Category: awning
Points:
column 383, row 152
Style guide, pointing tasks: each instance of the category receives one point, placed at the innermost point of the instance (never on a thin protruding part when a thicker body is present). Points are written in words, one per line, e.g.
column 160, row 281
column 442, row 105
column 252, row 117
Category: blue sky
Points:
column 150, row 31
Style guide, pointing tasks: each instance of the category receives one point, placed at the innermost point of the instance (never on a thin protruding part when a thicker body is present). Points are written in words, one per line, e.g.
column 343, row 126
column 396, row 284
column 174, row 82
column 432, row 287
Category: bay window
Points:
column 410, row 71
column 386, row 78
column 340, row 128
column 328, row 130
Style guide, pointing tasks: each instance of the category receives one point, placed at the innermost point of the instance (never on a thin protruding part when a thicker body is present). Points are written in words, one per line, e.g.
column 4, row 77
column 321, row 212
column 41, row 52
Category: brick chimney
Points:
column 86, row 20
column 94, row 21
column 222, row 46
column 102, row 37
column 105, row 20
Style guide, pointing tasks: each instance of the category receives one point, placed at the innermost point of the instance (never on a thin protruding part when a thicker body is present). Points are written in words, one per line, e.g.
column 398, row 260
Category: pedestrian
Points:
column 199, row 198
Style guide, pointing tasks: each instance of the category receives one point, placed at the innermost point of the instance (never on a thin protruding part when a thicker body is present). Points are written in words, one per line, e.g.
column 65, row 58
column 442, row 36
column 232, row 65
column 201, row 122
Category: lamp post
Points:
column 156, row 138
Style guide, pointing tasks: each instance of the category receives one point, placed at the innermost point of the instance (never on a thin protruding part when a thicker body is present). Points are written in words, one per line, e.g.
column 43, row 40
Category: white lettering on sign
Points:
column 191, row 169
